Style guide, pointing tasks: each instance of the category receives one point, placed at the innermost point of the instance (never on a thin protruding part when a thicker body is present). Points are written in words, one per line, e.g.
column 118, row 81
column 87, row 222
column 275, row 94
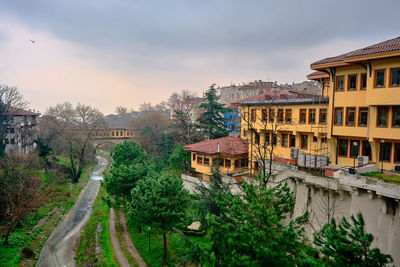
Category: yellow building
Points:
column 363, row 87
column 117, row 133
column 275, row 122
column 229, row 153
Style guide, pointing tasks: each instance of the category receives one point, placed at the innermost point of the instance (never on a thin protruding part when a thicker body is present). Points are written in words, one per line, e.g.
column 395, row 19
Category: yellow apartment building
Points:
column 117, row 133
column 229, row 153
column 363, row 87
column 282, row 121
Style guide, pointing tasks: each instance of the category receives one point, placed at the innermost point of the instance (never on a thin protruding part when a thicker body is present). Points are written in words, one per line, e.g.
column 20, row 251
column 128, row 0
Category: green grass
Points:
column 387, row 178
column 59, row 202
column 86, row 253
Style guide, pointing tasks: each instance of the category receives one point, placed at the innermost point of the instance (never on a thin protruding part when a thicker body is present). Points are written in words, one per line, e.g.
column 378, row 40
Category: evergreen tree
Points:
column 348, row 244
column 212, row 120
column 179, row 160
column 160, row 202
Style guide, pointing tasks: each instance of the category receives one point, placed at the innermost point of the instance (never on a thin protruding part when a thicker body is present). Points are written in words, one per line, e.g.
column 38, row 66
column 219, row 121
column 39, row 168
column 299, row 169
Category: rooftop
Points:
column 21, row 112
column 387, row 48
column 288, row 101
column 226, row 145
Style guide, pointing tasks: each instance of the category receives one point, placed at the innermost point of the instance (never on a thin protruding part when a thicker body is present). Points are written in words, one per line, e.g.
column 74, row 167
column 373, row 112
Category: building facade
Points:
column 23, row 132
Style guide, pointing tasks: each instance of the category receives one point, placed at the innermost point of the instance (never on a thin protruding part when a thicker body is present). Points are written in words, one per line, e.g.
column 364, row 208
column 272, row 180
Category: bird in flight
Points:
column 33, row 41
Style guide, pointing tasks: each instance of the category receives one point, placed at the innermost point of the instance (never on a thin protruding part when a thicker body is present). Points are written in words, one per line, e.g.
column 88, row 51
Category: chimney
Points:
column 217, row 148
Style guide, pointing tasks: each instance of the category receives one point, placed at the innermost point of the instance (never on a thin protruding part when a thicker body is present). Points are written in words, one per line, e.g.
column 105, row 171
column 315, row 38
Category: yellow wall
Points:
column 206, row 169
column 114, row 134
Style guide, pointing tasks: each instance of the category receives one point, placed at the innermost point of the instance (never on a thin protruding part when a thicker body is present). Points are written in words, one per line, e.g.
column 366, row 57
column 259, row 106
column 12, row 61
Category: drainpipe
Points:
column 332, row 71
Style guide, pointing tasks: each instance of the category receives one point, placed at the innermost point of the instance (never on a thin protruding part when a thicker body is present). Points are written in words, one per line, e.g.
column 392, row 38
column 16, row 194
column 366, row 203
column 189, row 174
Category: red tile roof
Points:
column 227, row 145
column 386, row 46
column 21, row 112
column 317, row 74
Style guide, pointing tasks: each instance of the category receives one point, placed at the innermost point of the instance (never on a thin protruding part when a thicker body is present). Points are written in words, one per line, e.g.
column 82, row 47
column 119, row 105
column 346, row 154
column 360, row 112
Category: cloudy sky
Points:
column 109, row 53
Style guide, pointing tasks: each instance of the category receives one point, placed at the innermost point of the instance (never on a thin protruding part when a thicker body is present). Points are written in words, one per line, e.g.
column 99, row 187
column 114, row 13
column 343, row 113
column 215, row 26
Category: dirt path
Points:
column 122, row 260
column 59, row 248
column 128, row 241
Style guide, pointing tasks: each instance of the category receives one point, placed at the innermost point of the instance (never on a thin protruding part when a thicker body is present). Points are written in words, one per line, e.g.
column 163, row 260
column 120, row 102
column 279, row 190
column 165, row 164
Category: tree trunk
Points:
column 165, row 249
column 8, row 234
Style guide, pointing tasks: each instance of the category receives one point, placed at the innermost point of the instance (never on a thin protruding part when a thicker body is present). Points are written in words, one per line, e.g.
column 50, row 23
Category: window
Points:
column 206, row 161
column 7, row 141
column 303, row 139
column 362, row 116
column 379, row 78
column 199, row 160
column 12, row 130
column 194, row 157
column 354, row 148
column 322, row 116
column 338, row 116
column 339, row 83
column 311, row 116
column 396, row 116
column 237, row 163
column 343, row 144
column 253, row 115
column 257, row 138
column 395, row 77
column 288, row 116
column 264, row 115
column 363, row 85
column 366, row 149
column 12, row 141
column 315, row 139
column 292, row 140
column 227, row 163
column 385, row 151
column 116, row 133
column 350, row 116
column 244, row 163
column 121, row 133
column 271, row 116
column 274, row 139
column 303, row 115
column 284, row 140
column 352, row 85
column 382, row 116
column 267, row 138
column 323, row 139
column 280, row 115
column 397, row 152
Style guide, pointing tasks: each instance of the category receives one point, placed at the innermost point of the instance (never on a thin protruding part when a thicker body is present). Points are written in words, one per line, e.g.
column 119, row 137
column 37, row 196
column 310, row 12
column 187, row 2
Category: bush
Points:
column 193, row 232
column 17, row 239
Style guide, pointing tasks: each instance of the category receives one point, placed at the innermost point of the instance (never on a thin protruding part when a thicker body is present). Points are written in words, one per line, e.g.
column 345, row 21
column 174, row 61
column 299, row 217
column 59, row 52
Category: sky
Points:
column 109, row 53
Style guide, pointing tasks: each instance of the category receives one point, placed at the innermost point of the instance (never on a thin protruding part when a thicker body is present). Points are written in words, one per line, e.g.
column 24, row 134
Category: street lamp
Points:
column 355, row 153
column 148, row 229
column 382, row 142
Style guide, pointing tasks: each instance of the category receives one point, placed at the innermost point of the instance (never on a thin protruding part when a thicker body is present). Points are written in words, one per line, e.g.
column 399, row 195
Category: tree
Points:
column 74, row 127
column 10, row 98
column 160, row 201
column 19, row 192
column 212, row 120
column 348, row 244
column 130, row 164
column 179, row 159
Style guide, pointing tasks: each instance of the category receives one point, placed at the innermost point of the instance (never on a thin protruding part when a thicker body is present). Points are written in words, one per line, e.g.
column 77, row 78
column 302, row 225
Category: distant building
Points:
column 23, row 132
column 233, row 93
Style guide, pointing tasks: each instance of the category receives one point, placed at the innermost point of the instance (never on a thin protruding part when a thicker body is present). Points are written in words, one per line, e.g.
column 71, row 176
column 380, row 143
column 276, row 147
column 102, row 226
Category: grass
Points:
column 61, row 198
column 387, row 178
column 86, row 252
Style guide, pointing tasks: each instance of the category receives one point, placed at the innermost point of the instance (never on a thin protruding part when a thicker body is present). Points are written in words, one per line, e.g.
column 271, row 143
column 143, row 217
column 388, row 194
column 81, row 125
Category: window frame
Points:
column 287, row 112
column 363, row 150
column 335, row 117
column 281, row 115
column 396, row 159
column 305, row 116
column 336, row 83
column 376, row 76
column 348, row 82
column 362, row 75
column 302, row 146
column 326, row 115
column 387, row 117
column 199, row 160
column 391, row 77
column 347, row 148
column 359, row 116
column 381, row 151
column 206, row 161
column 283, row 138
column 264, row 114
column 253, row 115
column 393, row 108
column 291, row 144
column 310, row 110
column 271, row 115
column 347, row 116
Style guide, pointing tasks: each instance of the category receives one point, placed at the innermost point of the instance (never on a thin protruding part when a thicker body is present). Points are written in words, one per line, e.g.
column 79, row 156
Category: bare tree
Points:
column 270, row 120
column 74, row 127
column 10, row 98
column 19, row 192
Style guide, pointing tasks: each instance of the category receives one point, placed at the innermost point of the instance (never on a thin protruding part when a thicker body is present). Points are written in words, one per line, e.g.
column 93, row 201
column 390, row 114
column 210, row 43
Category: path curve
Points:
column 59, row 248
column 121, row 258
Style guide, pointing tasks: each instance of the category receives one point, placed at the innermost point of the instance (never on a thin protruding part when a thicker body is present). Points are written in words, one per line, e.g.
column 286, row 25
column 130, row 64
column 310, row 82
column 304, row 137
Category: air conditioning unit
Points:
column 396, row 167
column 294, row 153
column 362, row 160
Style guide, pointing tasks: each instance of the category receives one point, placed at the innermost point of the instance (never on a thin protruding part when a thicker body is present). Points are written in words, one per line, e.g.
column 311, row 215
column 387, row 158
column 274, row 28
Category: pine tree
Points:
column 348, row 244
column 212, row 120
